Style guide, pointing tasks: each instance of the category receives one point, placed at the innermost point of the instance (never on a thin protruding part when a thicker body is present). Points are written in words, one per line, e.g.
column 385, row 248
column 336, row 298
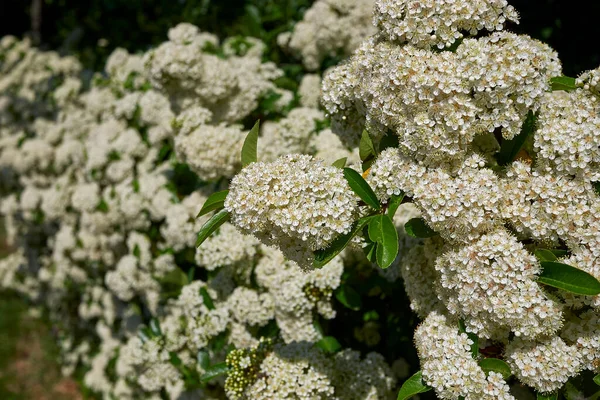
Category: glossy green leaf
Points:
column 323, row 256
column 383, row 231
column 412, row 386
column 349, row 297
column 565, row 83
column 597, row 379
column 366, row 149
column 509, row 149
column 417, row 227
column 329, row 344
column 341, row 163
column 552, row 396
column 394, row 203
column 216, row 201
column 495, row 365
column 250, row 147
column 203, row 359
column 212, row 225
column 206, row 299
column 213, row 371
column 361, row 188
column 566, row 277
column 370, row 251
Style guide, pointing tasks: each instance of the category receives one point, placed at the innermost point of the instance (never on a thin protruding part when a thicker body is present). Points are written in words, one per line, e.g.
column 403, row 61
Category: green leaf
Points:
column 565, row 83
column 348, row 297
column 596, row 186
column 383, row 231
column 568, row 278
column 249, row 149
column 323, row 256
column 329, row 344
column 341, row 163
column 212, row 225
column 213, row 371
column 495, row 365
column 545, row 255
column 203, row 359
column 552, row 396
column 394, row 203
column 510, row 148
column 175, row 277
column 370, row 251
column 361, row 188
column 206, row 299
column 417, row 227
column 597, row 379
column 155, row 327
column 216, row 201
column 412, row 386
column 366, row 149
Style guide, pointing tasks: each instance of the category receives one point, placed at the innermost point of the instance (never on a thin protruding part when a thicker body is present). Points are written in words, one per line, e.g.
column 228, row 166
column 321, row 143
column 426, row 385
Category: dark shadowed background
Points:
column 91, row 29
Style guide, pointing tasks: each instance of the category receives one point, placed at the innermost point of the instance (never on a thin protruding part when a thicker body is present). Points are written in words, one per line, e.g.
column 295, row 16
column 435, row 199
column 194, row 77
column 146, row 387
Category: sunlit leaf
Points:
column 250, row 147
column 412, row 386
column 566, row 277
column 216, row 201
column 358, row 184
column 212, row 225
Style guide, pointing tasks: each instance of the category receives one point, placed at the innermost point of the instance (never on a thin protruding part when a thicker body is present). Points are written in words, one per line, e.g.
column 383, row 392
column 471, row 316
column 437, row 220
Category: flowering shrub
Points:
column 181, row 257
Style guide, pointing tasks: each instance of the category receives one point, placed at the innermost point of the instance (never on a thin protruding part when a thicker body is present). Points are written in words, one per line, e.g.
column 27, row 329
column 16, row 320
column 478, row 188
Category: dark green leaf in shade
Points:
column 370, row 251
column 214, row 371
column 341, row 163
column 175, row 277
column 495, row 365
column 206, row 299
column 155, row 327
column 323, row 256
column 329, row 344
column 510, row 148
column 417, row 227
column 212, row 225
column 361, row 188
column 383, row 231
column 545, row 255
column 596, row 186
column 565, row 83
column 366, row 149
column 203, row 359
column 349, row 297
column 394, row 203
column 552, row 396
column 250, row 147
column 566, row 277
column 216, row 201
column 412, row 386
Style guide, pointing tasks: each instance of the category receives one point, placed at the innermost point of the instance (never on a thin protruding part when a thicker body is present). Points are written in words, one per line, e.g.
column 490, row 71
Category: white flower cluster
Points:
column 296, row 203
column 300, row 371
column 504, row 299
column 448, row 366
column 427, row 23
column 439, row 101
column 567, row 141
column 329, row 28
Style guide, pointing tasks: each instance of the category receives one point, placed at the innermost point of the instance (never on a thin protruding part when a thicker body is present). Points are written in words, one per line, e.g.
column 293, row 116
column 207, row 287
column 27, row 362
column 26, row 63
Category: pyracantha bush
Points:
column 448, row 188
